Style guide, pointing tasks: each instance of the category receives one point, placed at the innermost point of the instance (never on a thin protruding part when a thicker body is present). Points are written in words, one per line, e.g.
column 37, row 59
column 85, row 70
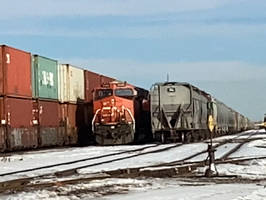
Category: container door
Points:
column 63, row 83
column 21, row 133
column 15, row 72
column 76, row 84
column 46, row 78
column 49, row 123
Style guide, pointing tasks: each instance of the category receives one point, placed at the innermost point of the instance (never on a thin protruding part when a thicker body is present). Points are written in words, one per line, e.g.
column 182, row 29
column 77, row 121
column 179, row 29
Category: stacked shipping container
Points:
column 16, row 104
column 71, row 97
column 43, row 103
column 46, row 105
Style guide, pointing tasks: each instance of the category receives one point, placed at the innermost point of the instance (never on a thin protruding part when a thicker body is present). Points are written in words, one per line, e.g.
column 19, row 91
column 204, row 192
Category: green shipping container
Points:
column 44, row 77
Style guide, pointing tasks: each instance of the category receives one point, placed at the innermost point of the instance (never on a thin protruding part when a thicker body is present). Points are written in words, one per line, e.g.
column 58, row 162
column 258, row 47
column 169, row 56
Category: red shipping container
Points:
column 106, row 79
column 68, row 120
column 92, row 80
column 17, row 123
column 73, row 117
column 48, row 115
column 15, row 72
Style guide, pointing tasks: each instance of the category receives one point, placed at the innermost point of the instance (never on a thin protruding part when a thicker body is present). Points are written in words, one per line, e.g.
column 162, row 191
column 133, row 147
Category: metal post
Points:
column 212, row 170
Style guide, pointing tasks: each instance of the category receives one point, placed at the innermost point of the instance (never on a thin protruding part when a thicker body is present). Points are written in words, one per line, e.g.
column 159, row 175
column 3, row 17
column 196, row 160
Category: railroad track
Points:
column 73, row 170
column 177, row 171
column 181, row 166
column 183, row 161
column 98, row 157
column 109, row 155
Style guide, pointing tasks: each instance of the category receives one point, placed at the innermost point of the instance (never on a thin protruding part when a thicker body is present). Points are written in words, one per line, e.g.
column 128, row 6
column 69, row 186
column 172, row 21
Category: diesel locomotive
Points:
column 119, row 114
column 183, row 112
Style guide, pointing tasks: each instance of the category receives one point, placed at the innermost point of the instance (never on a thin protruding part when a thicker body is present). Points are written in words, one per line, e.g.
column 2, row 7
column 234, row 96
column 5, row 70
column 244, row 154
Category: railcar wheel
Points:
column 188, row 138
column 196, row 137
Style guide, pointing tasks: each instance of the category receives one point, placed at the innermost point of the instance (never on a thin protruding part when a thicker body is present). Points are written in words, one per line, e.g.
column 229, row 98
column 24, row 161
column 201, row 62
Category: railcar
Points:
column 179, row 111
column 183, row 112
column 119, row 115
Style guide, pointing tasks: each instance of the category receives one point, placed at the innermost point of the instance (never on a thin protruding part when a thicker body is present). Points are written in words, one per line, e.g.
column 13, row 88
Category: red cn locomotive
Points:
column 119, row 117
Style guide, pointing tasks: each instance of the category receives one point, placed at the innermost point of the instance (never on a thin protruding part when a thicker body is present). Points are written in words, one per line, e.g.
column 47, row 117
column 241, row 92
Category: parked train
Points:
column 44, row 103
column 183, row 112
column 119, row 115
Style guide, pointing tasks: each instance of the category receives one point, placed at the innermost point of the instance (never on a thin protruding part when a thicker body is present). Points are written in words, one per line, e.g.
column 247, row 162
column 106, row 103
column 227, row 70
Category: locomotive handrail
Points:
column 93, row 119
column 131, row 118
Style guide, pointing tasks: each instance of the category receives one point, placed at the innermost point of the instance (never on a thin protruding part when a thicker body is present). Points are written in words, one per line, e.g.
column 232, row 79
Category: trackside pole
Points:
column 212, row 170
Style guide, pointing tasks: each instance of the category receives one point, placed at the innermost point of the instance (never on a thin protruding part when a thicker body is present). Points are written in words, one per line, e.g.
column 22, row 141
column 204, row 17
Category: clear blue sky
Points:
column 219, row 45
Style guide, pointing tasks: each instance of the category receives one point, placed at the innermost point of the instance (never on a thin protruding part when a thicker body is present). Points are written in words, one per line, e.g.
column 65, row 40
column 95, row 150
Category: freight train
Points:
column 183, row 112
column 119, row 115
column 44, row 103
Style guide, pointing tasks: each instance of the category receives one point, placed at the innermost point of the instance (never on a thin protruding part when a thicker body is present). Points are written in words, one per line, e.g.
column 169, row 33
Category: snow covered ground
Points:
column 148, row 189
column 142, row 188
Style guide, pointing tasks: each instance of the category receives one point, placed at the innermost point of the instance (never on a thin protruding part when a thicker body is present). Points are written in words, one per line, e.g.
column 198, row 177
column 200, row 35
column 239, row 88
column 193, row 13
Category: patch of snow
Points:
column 250, row 170
column 256, row 195
column 183, row 192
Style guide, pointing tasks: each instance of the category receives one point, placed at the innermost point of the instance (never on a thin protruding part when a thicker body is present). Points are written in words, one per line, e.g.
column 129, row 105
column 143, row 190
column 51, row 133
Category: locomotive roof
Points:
column 186, row 84
column 196, row 89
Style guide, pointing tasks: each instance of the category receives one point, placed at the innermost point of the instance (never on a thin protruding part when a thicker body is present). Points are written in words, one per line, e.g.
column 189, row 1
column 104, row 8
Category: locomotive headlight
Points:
column 112, row 127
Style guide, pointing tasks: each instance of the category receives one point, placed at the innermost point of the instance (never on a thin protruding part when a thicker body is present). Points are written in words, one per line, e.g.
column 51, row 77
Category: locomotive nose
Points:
column 110, row 102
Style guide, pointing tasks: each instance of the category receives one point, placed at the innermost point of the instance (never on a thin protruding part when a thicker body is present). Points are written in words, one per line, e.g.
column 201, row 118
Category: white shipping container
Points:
column 71, row 83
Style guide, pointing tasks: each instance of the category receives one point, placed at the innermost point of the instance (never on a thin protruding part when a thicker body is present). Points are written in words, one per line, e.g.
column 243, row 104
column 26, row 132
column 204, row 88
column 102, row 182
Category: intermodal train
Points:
column 183, row 112
column 119, row 114
column 44, row 103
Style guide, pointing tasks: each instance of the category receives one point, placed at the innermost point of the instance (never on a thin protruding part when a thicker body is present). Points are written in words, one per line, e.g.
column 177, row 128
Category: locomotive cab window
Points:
column 126, row 93
column 102, row 93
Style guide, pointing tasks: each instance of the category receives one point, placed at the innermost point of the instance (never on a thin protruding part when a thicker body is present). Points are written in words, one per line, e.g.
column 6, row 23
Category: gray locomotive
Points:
column 183, row 112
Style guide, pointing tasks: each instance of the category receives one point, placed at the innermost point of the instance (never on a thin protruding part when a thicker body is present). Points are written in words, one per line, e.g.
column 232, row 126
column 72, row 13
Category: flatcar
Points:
column 183, row 112
column 119, row 115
